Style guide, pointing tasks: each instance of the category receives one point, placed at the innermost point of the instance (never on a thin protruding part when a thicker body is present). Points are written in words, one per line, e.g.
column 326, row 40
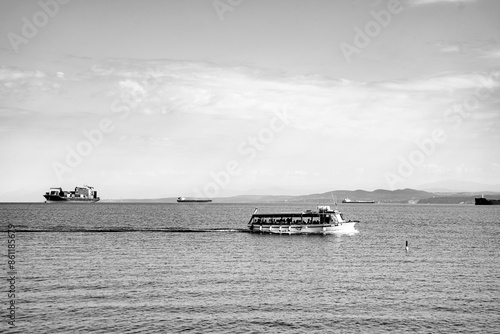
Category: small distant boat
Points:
column 85, row 194
column 347, row 200
column 322, row 221
column 193, row 200
column 483, row 201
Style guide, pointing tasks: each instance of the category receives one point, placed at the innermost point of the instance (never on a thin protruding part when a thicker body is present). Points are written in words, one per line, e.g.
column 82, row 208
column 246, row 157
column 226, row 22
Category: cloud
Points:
column 460, row 3
column 445, row 83
column 233, row 102
column 478, row 49
column 447, row 47
column 24, row 84
column 241, row 100
column 13, row 74
column 147, row 140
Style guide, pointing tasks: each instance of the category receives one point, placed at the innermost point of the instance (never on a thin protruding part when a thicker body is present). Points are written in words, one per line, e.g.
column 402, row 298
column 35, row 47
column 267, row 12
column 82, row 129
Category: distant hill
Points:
column 379, row 195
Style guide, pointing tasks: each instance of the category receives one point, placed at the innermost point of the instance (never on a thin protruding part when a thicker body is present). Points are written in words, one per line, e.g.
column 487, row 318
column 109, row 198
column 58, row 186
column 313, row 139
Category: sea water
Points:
column 194, row 268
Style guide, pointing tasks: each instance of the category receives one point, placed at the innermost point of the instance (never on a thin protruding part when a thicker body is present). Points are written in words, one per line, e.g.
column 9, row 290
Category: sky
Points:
column 210, row 98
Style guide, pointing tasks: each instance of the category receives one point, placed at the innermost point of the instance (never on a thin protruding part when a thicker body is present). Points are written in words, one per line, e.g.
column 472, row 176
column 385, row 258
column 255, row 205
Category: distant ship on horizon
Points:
column 483, row 201
column 347, row 200
column 193, row 200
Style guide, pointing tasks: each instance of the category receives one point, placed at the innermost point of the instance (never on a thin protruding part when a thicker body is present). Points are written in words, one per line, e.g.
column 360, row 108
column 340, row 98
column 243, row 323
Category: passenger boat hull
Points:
column 304, row 229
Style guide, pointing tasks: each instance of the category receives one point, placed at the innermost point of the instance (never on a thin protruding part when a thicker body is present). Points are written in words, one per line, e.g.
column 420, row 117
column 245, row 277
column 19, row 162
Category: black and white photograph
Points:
column 250, row 166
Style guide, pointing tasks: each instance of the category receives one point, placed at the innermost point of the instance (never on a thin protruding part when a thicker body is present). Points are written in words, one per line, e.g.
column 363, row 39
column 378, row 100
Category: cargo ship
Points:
column 347, row 200
column 85, row 194
column 483, row 201
column 193, row 200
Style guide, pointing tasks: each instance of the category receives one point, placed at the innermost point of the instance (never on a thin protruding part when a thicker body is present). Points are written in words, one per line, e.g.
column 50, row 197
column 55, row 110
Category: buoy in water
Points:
column 406, row 245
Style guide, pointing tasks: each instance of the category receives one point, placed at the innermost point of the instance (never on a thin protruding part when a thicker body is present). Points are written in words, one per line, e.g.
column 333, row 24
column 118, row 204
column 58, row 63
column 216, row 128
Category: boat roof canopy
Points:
column 295, row 214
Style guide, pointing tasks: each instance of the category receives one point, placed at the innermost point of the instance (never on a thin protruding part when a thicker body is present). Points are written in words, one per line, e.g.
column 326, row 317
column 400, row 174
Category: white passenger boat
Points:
column 322, row 221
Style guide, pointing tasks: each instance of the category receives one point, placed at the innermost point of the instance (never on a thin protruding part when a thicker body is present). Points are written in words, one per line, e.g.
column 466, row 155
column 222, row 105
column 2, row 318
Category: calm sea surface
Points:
column 193, row 268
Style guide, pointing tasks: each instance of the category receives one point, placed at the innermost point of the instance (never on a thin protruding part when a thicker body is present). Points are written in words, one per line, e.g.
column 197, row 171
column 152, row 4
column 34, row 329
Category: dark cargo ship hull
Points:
column 484, row 201
column 59, row 199
column 359, row 202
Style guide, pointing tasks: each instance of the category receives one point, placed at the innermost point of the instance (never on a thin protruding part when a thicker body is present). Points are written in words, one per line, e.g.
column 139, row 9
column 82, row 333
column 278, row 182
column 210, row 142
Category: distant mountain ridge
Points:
column 379, row 195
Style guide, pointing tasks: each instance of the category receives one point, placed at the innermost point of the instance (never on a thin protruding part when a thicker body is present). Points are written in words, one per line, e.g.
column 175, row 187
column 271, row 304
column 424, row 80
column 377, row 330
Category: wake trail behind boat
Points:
column 125, row 229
